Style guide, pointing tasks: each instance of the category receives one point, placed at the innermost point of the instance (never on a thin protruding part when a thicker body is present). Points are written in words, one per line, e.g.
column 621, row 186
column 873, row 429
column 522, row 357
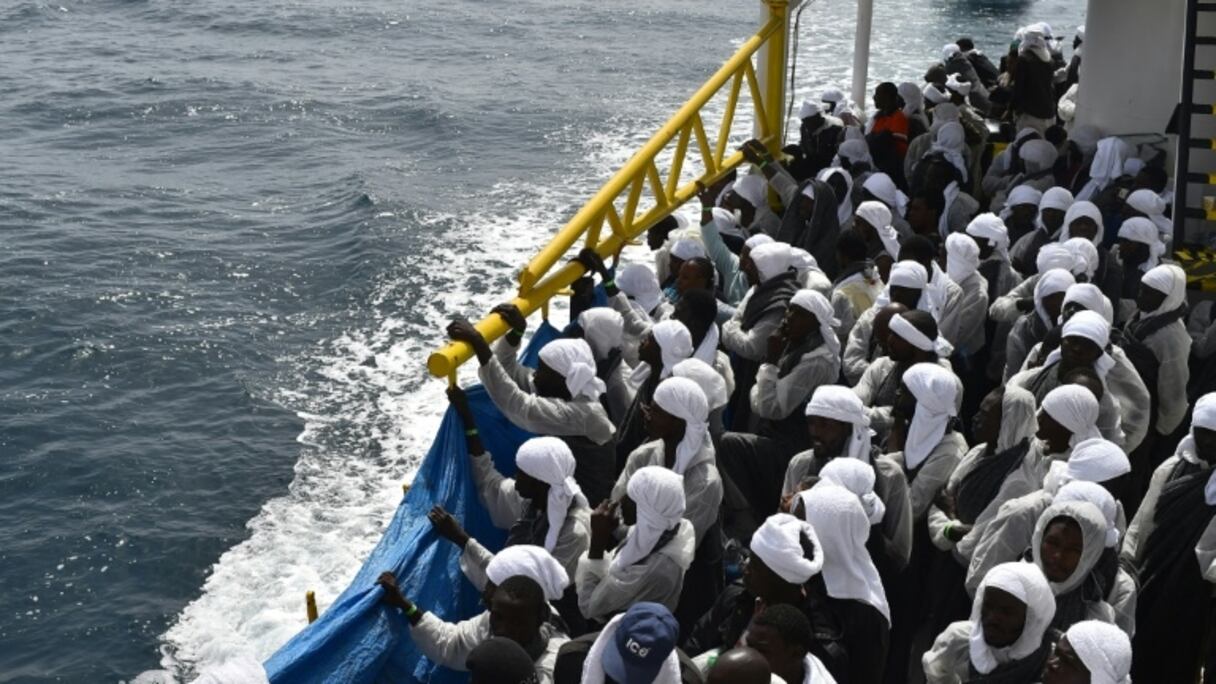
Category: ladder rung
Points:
column 1201, row 178
column 1203, row 75
column 1205, row 40
column 1206, row 7
column 1201, row 214
column 1202, row 143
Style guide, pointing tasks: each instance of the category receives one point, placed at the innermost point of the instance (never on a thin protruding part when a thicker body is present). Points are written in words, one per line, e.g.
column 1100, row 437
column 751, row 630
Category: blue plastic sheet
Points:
column 358, row 639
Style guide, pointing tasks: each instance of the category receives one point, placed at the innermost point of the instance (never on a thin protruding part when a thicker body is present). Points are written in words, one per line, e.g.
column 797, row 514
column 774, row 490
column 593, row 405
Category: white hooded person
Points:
column 1068, row 546
column 908, row 284
column 1092, row 651
column 561, row 398
column 649, row 564
column 971, row 312
column 1160, row 325
column 668, row 343
column 1007, row 638
column 604, row 331
column 913, row 337
column 923, row 438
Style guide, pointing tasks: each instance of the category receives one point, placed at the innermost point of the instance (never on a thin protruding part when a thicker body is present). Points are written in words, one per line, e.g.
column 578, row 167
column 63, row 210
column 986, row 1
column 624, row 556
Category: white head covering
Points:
column 950, row 141
column 842, row 404
column 659, row 495
column 1037, row 155
column 808, row 109
column 1017, row 417
column 844, row 205
column 1093, row 460
column 532, row 562
column 752, row 189
column 1055, row 198
column 1035, row 43
column 1106, row 166
column 1090, row 296
column 802, row 261
column 573, row 360
column 817, row 304
column 1151, row 205
column 878, row 215
column 1104, row 649
column 675, row 345
column 1169, row 280
column 914, row 100
column 1052, row 282
column 956, row 86
column 1133, row 166
column 1144, row 231
column 857, row 477
column 910, row 334
column 685, row 400
column 1092, row 326
column 709, row 380
column 1054, row 255
column 881, row 186
column 843, row 527
column 687, row 248
column 1076, row 408
column 853, row 150
column 1096, row 494
column 777, row 543
column 832, row 95
column 771, row 259
column 935, row 390
column 1026, row 583
column 1093, row 537
column 641, row 285
column 549, row 460
column 757, row 240
column 962, row 257
column 935, row 95
column 1203, row 416
column 943, row 114
column 603, row 329
column 1085, row 257
column 992, row 228
column 912, row 275
column 950, row 50
column 1082, row 209
column 1019, row 195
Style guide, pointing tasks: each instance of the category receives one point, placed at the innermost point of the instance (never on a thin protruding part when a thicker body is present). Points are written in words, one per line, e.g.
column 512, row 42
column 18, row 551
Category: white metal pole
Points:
column 861, row 53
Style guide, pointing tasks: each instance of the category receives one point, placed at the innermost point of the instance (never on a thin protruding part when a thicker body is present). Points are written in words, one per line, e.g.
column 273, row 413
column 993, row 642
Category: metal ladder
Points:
column 1184, row 174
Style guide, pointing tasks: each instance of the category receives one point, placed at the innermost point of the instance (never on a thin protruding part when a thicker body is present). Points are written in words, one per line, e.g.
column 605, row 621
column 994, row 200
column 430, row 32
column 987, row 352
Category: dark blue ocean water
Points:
column 229, row 234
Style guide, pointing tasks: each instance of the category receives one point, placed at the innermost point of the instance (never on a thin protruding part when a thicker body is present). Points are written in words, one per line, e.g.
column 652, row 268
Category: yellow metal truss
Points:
column 539, row 281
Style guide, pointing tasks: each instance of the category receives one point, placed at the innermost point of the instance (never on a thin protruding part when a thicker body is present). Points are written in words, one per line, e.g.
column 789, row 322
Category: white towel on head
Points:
column 603, row 329
column 550, row 460
column 1017, row 418
column 819, row 306
column 842, row 404
column 532, row 562
column 935, row 389
column 1050, row 283
column 950, row 141
column 684, row 399
column 575, row 362
column 752, row 188
column 878, row 215
column 858, row 477
column 757, row 240
column 881, row 186
column 658, row 494
column 1022, row 194
column 1037, row 155
column 1085, row 257
column 1082, row 209
column 1026, row 583
column 954, row 85
column 1106, row 166
column 844, row 205
column 1104, row 649
column 777, row 543
column 641, row 285
column 1152, row 206
column 962, row 256
column 687, row 248
column 843, row 527
column 771, row 259
column 1090, row 296
column 853, row 150
column 1096, row 494
column 1202, row 416
column 675, row 345
column 1056, row 198
column 1092, row 326
column 1093, row 540
column 1054, row 255
column 808, row 109
column 1144, row 231
column 992, row 228
column 1169, row 280
column 910, row 334
column 1076, row 408
column 707, row 378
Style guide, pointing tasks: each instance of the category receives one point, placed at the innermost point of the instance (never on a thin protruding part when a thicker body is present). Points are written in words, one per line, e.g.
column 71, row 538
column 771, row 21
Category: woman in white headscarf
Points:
column 1068, row 545
column 855, row 593
column 1007, row 638
column 1140, row 231
column 1034, row 325
column 962, row 266
column 649, row 565
column 1171, row 531
column 1160, row 326
column 1092, row 651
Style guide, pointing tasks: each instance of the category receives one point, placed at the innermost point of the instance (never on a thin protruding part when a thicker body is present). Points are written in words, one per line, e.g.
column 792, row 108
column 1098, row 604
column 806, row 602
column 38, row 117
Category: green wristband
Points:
column 471, row 432
column 412, row 611
column 609, row 283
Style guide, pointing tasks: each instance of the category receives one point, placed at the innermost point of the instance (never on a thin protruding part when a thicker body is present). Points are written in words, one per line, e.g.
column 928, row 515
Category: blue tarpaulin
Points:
column 358, row 639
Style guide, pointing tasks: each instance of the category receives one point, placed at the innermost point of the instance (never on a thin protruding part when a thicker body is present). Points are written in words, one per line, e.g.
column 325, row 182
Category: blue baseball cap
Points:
column 645, row 636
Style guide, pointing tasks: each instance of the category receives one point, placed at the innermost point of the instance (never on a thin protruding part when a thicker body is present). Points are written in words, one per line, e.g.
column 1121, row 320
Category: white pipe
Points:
column 861, row 53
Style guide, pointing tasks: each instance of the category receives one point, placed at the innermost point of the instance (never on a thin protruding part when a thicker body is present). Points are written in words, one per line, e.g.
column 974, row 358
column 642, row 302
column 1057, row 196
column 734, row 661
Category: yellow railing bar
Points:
column 538, row 284
column 728, row 118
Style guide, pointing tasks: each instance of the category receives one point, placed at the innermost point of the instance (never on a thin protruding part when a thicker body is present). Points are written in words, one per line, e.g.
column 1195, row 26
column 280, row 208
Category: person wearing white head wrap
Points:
column 1074, row 580
column 935, row 95
column 1003, row 166
column 1022, row 196
column 992, row 237
column 1139, row 230
column 950, row 142
column 708, row 379
column 1107, row 165
column 1150, row 204
column 1020, row 300
column 683, row 399
column 858, row 351
column 636, row 295
column 674, row 345
column 943, row 113
column 1033, row 99
column 639, row 283
column 1085, row 257
column 533, row 562
column 1032, row 327
column 989, row 644
column 1092, row 460
column 1096, row 494
column 962, row 266
column 1100, row 653
column 857, row 154
column 1173, row 529
column 1160, row 326
column 1037, row 156
column 809, row 109
column 557, row 517
column 914, row 108
column 1052, row 209
column 604, row 330
column 858, row 478
column 650, row 563
column 882, row 188
column 1076, row 409
column 687, row 248
column 844, row 202
column 929, row 448
column 833, row 98
column 1092, row 326
column 715, row 223
column 850, row 577
column 1082, row 209
column 875, row 226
